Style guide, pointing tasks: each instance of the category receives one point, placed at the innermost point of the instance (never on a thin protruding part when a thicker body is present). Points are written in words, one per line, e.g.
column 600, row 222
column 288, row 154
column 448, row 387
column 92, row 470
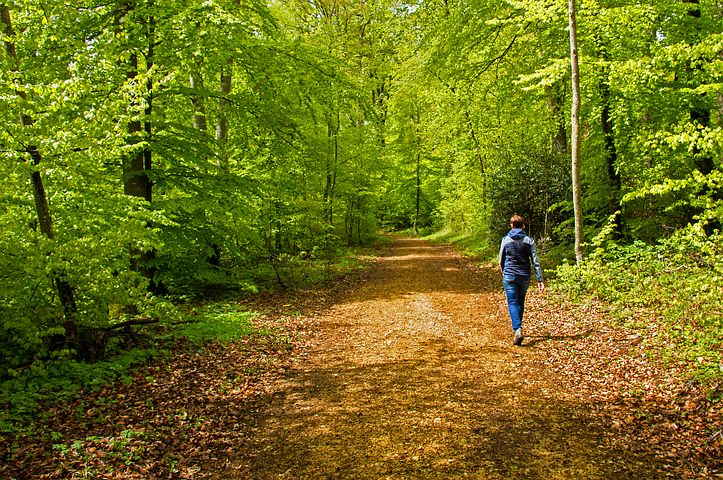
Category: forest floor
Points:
column 404, row 371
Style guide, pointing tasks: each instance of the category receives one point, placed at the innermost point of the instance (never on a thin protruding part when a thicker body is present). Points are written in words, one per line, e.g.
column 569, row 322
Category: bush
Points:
column 679, row 281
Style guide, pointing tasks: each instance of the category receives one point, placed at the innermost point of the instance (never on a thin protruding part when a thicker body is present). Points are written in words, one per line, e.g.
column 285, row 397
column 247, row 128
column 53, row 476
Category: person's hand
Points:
column 541, row 287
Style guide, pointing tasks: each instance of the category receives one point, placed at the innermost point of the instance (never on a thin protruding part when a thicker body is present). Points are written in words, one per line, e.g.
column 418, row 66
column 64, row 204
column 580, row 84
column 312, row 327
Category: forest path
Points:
column 411, row 374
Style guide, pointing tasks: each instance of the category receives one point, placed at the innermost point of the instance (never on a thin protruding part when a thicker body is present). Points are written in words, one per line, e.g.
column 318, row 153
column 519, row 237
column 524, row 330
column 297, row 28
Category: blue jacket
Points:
column 517, row 250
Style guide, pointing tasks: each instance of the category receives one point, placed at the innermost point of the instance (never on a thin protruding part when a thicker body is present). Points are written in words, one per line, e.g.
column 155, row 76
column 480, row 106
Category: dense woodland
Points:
column 154, row 151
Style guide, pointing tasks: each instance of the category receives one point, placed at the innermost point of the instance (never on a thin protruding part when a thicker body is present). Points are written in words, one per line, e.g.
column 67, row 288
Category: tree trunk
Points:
column 575, row 135
column 148, row 125
column 66, row 293
column 606, row 123
column 419, row 193
column 477, row 152
column 700, row 114
column 136, row 182
column 222, row 126
column 558, row 142
column 332, row 162
column 199, row 104
column 136, row 179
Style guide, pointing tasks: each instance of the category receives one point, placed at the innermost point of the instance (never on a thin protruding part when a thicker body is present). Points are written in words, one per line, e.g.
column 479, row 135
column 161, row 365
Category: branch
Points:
column 129, row 323
column 503, row 54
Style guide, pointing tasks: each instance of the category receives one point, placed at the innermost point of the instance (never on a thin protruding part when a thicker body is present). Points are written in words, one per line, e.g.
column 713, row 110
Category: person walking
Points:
column 517, row 252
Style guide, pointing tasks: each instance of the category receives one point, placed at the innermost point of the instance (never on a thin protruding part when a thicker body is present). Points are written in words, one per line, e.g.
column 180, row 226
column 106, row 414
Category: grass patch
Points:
column 219, row 322
column 471, row 244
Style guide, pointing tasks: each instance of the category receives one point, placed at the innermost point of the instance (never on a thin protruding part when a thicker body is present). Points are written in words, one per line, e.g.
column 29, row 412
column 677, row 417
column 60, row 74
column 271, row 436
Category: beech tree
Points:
column 575, row 136
column 154, row 149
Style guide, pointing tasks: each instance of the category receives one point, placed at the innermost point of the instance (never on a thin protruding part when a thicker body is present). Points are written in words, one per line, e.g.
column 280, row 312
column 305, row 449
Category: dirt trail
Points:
column 411, row 375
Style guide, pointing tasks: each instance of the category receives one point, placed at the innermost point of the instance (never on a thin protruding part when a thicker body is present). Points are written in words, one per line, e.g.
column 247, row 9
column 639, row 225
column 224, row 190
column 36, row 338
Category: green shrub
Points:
column 679, row 281
column 58, row 381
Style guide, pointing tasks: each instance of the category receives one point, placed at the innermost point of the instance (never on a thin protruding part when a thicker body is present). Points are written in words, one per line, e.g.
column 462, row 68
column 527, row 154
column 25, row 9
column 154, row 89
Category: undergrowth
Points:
column 216, row 317
column 677, row 282
column 475, row 245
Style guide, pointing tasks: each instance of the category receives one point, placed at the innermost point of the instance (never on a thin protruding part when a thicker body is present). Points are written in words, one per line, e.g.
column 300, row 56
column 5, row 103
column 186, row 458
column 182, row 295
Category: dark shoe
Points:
column 518, row 337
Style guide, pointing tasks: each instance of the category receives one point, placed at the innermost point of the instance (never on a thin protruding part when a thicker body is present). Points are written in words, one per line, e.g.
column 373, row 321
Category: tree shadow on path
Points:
column 411, row 376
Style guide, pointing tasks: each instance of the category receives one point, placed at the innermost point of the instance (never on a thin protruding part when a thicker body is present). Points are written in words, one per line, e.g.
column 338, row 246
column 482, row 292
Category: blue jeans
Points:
column 515, row 289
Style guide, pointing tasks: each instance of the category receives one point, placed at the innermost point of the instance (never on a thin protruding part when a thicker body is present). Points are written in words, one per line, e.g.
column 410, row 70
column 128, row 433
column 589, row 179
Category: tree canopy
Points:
column 154, row 149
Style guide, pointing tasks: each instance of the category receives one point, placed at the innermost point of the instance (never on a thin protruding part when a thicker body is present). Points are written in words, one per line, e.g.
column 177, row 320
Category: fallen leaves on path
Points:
column 651, row 401
column 401, row 371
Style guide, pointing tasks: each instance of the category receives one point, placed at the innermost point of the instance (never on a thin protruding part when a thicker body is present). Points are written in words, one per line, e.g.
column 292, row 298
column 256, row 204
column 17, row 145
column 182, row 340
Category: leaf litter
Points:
column 405, row 370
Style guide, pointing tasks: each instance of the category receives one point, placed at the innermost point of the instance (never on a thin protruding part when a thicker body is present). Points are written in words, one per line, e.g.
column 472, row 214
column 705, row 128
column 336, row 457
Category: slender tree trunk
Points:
column 608, row 129
column 575, row 136
column 614, row 180
column 65, row 291
column 136, row 182
column 700, row 114
column 148, row 125
column 477, row 152
column 555, row 100
column 136, row 169
column 222, row 126
column 199, row 105
column 332, row 162
column 419, row 193
column 379, row 97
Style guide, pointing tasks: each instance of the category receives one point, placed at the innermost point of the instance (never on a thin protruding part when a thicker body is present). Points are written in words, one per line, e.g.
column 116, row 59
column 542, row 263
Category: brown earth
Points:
column 403, row 371
column 411, row 374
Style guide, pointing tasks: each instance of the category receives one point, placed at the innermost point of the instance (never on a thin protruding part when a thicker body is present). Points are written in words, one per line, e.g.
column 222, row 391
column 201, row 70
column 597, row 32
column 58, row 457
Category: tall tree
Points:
column 575, row 135
column 65, row 291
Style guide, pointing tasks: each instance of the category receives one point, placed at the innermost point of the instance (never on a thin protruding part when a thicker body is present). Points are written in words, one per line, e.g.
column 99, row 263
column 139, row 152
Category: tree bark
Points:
column 66, row 293
column 575, row 135
column 222, row 125
column 199, row 105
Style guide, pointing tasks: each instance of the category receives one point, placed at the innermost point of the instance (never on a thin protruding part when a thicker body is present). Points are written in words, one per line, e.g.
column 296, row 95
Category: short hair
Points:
column 517, row 221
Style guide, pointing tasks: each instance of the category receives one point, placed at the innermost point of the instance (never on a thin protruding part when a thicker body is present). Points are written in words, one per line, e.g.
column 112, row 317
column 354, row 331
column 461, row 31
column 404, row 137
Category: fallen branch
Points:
column 130, row 323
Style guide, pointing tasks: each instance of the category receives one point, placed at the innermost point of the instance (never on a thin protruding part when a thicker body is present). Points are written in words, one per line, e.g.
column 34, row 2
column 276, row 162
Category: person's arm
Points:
column 537, row 266
column 501, row 256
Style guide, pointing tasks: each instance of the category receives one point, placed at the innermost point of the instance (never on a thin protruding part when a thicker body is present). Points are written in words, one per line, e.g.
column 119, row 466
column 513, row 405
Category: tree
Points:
column 575, row 136
column 30, row 149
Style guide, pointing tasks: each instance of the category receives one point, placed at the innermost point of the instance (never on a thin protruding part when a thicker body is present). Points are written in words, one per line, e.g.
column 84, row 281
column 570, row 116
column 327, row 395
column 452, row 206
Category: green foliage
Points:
column 677, row 284
column 60, row 380
column 91, row 89
column 223, row 322
column 479, row 246
column 331, row 123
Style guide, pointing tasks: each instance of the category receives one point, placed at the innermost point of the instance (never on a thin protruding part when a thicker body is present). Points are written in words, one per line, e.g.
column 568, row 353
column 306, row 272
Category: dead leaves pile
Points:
column 177, row 420
column 646, row 399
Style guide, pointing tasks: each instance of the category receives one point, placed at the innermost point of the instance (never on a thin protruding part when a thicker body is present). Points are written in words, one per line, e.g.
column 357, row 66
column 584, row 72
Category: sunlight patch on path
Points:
column 412, row 375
